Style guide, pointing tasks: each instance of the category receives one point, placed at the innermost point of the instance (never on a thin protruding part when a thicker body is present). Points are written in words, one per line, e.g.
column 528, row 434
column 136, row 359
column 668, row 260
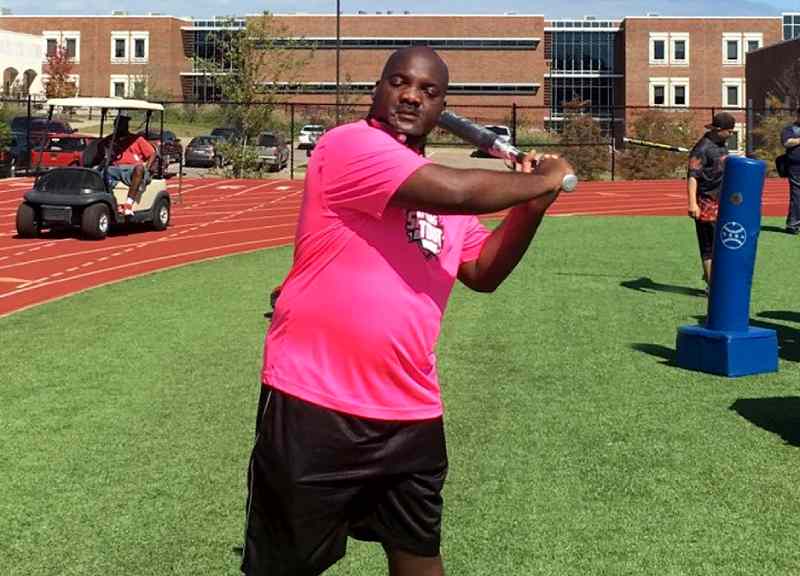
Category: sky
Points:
column 572, row 9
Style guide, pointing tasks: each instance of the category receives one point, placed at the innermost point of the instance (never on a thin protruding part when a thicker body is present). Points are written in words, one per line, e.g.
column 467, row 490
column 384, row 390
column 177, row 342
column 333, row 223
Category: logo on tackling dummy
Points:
column 426, row 230
column 733, row 235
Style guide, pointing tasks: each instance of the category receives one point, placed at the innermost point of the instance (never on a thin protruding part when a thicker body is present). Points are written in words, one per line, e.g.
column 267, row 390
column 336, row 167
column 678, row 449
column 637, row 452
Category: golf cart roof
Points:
column 113, row 103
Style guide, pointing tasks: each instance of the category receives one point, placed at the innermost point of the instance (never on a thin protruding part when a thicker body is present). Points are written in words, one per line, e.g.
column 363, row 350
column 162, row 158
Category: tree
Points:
column 665, row 127
column 250, row 67
column 59, row 69
column 583, row 143
column 786, row 86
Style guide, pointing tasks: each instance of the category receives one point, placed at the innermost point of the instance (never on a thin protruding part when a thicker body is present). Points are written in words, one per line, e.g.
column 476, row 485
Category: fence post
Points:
column 28, row 133
column 291, row 141
column 748, row 126
column 514, row 123
column 613, row 142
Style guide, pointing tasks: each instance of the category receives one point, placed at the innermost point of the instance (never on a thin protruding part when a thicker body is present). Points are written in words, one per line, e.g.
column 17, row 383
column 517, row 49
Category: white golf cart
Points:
column 80, row 196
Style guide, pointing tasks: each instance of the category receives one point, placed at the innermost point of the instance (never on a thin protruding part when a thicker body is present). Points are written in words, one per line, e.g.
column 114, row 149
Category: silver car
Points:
column 272, row 151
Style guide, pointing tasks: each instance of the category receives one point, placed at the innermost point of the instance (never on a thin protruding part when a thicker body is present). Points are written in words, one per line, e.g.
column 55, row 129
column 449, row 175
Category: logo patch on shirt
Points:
column 426, row 230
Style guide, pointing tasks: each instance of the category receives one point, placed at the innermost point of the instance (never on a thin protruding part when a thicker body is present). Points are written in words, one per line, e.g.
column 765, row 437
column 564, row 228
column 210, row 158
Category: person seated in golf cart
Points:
column 130, row 162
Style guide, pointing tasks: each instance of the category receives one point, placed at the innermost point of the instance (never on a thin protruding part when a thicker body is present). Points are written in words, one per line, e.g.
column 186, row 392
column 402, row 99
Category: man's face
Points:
column 410, row 94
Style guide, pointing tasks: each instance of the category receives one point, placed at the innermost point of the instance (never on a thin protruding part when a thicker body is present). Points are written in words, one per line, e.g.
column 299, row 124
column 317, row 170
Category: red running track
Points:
column 221, row 217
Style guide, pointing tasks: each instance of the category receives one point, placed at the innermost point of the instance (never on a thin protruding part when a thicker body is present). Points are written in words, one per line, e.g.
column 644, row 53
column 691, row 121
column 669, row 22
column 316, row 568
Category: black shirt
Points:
column 705, row 165
column 791, row 131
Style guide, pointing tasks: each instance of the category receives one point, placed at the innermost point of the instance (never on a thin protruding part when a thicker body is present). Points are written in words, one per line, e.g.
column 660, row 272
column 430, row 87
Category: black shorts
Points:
column 318, row 476
column 705, row 238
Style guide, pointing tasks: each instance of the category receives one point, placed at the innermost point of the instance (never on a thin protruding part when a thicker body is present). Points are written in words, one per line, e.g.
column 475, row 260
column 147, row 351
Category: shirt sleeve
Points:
column 786, row 134
column 697, row 159
column 362, row 167
column 475, row 235
column 146, row 150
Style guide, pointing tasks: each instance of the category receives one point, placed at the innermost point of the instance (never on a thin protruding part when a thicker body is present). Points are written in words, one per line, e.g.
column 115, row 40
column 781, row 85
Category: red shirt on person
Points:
column 132, row 149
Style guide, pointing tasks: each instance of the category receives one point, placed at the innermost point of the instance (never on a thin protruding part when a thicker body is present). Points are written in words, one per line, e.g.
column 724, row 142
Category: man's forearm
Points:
column 691, row 189
column 443, row 190
column 505, row 247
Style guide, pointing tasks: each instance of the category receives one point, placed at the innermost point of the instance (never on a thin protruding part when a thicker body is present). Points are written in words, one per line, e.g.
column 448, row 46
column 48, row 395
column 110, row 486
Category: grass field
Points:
column 576, row 446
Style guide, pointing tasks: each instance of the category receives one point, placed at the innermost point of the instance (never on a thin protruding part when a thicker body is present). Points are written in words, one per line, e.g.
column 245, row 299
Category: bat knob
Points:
column 569, row 182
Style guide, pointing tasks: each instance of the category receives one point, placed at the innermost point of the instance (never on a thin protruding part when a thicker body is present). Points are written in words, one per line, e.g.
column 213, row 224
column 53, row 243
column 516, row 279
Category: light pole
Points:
column 338, row 42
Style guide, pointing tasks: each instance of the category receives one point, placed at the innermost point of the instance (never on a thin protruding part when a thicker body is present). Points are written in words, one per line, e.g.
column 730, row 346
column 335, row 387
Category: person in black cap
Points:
column 704, row 182
column 790, row 138
column 131, row 162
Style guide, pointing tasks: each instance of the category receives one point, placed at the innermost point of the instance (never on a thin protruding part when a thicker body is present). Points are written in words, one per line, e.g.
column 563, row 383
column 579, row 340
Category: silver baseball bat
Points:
column 491, row 143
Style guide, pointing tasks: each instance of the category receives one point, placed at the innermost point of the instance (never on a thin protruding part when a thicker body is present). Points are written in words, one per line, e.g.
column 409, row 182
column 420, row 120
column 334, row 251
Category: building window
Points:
column 679, row 46
column 669, row 92
column 752, row 41
column 119, row 86
column 71, row 47
column 658, row 91
column 658, row 48
column 732, row 49
column 679, row 89
column 141, row 47
column 119, row 47
column 733, row 92
column 69, row 41
column 736, row 140
column 130, row 47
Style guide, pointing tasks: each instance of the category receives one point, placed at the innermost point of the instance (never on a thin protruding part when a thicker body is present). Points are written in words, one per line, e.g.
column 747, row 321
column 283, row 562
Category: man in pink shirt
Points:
column 351, row 439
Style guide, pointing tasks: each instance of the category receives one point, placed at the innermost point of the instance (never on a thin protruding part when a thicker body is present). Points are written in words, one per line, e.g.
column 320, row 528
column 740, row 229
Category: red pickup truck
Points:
column 61, row 150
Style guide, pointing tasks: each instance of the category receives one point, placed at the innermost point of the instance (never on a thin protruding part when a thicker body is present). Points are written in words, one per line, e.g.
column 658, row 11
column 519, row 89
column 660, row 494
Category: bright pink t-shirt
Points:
column 356, row 323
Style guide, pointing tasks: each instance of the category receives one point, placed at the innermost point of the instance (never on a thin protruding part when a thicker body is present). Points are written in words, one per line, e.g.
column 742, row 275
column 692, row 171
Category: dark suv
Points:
column 227, row 134
column 40, row 124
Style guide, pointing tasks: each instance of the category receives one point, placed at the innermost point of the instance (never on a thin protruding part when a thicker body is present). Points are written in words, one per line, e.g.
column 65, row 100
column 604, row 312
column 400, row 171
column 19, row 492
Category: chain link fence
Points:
column 267, row 140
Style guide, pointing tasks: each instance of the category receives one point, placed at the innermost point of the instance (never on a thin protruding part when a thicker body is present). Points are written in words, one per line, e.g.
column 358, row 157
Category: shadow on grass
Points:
column 666, row 354
column 788, row 337
column 645, row 284
column 787, row 315
column 779, row 229
column 779, row 415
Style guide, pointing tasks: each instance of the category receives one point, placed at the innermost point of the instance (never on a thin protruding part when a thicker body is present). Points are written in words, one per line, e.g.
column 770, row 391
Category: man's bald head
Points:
column 399, row 59
column 409, row 97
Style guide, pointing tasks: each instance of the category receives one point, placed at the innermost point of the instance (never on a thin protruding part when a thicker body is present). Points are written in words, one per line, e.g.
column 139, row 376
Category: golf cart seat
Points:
column 92, row 156
column 148, row 196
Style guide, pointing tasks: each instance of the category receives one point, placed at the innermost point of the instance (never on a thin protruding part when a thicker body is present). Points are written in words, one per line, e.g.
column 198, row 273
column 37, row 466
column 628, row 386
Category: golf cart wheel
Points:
column 95, row 221
column 161, row 214
column 26, row 221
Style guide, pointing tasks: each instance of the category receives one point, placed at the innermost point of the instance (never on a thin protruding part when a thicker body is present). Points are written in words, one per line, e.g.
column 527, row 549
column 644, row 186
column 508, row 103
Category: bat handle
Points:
column 568, row 183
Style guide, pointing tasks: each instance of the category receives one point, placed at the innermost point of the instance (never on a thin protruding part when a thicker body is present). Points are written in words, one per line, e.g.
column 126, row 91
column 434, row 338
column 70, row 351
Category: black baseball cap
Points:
column 723, row 121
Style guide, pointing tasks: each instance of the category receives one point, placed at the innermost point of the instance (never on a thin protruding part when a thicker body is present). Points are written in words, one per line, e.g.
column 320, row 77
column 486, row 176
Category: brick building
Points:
column 494, row 59
column 116, row 55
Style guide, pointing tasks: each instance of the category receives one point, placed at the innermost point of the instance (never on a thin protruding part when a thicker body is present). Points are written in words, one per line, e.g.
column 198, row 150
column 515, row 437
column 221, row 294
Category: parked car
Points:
column 20, row 150
column 308, row 135
column 227, row 134
column 60, row 150
column 504, row 133
column 203, row 151
column 172, row 150
column 272, row 151
column 40, row 124
column 5, row 163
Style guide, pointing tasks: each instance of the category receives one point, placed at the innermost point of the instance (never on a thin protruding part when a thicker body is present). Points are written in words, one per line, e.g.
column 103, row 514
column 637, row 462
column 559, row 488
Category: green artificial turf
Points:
column 576, row 446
